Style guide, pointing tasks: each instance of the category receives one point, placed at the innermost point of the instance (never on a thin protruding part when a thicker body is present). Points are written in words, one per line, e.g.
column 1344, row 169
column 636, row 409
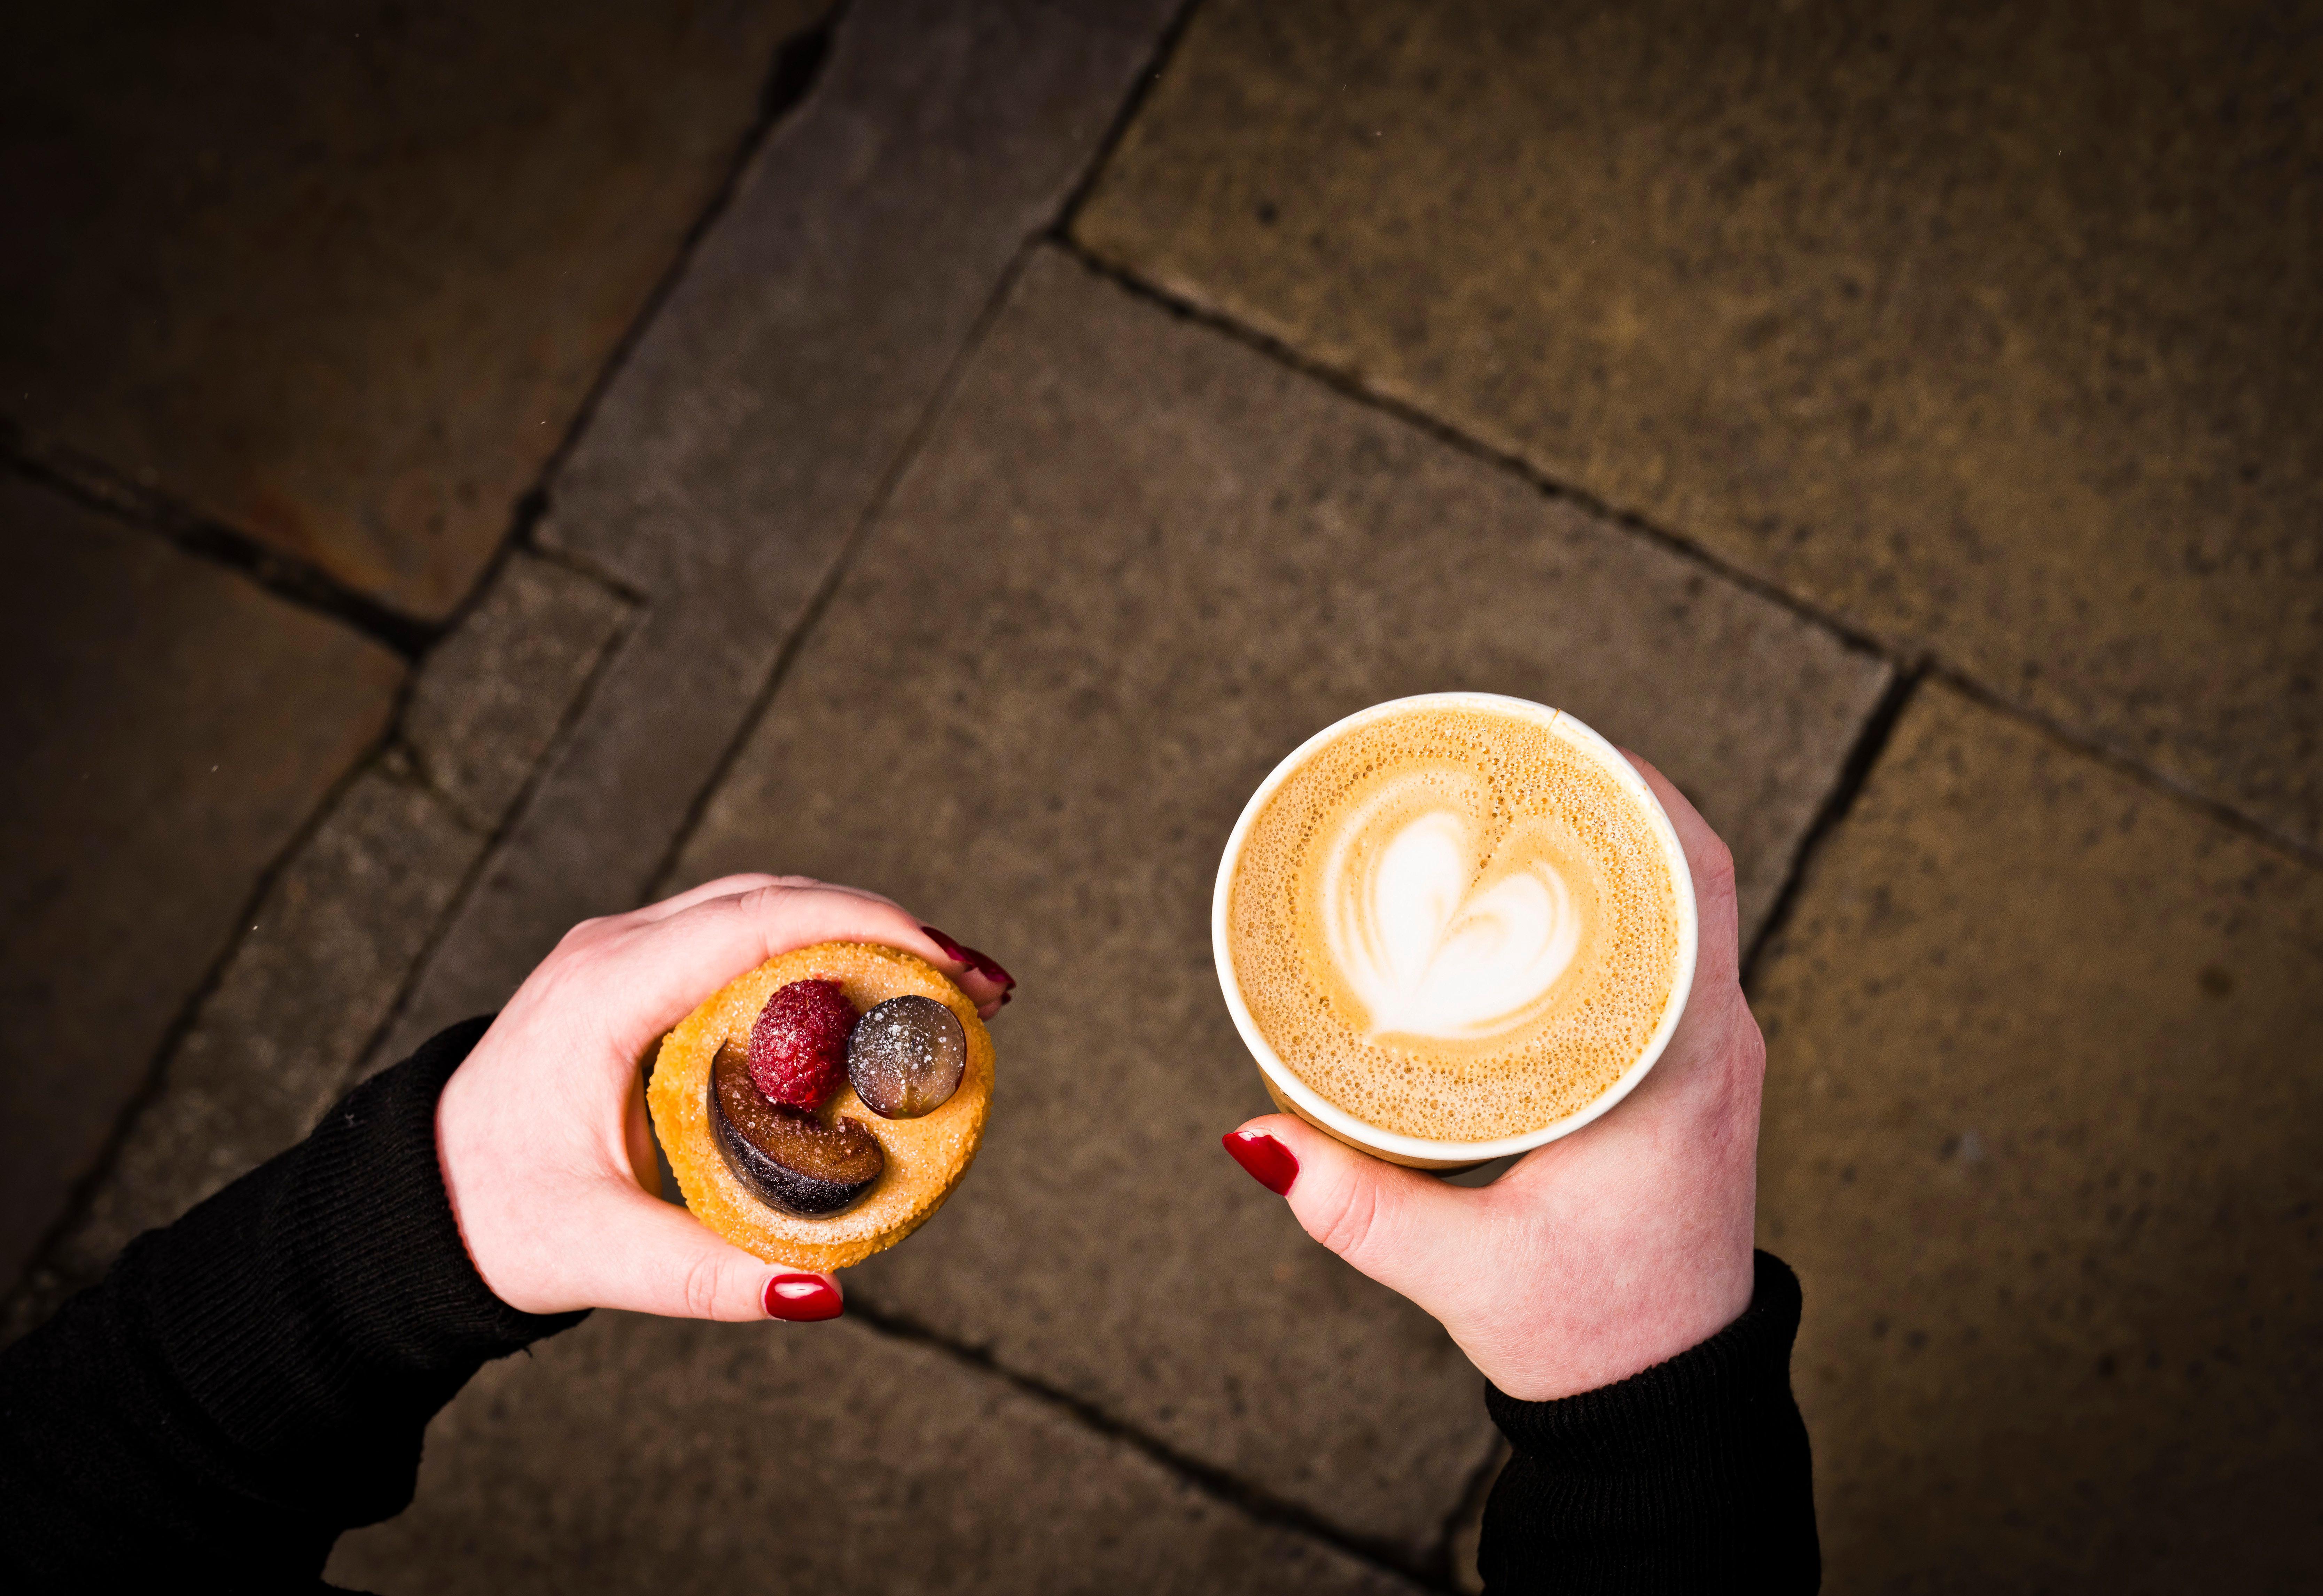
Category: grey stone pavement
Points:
column 957, row 448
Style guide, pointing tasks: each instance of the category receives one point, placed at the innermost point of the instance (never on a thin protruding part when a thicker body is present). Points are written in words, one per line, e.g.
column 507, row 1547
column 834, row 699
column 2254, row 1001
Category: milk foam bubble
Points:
column 1455, row 923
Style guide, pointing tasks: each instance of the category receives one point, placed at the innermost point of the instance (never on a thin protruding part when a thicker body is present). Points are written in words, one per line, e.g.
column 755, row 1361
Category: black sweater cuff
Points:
column 255, row 1377
column 1692, row 1475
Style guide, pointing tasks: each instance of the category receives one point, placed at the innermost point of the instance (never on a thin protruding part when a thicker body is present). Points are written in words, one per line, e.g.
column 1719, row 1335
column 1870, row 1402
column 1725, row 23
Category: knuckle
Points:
column 586, row 934
column 1718, row 868
column 701, row 1288
column 1353, row 1215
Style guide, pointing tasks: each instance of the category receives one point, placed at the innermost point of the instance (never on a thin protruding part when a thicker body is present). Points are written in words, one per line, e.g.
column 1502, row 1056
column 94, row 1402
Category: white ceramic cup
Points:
column 1294, row 1095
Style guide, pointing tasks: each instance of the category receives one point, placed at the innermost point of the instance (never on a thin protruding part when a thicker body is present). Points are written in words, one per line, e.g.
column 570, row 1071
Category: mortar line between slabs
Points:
column 1352, row 387
column 96, row 486
column 1253, row 1501
column 81, row 1196
column 791, row 78
column 922, row 428
column 1900, row 656
column 491, row 845
column 834, row 575
column 1166, row 46
column 1869, row 742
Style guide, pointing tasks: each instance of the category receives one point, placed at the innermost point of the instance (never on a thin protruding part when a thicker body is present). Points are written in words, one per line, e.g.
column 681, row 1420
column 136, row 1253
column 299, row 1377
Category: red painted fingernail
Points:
column 990, row 967
column 983, row 964
column 1264, row 1159
column 1004, row 998
column 802, row 1299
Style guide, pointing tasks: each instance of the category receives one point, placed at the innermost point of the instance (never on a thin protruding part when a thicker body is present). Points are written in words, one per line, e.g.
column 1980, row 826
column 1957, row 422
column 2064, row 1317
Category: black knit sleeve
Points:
column 1691, row 1476
column 254, row 1378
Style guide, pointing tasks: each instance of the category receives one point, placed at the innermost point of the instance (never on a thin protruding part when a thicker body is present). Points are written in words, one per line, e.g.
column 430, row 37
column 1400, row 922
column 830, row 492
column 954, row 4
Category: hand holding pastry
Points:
column 542, row 1132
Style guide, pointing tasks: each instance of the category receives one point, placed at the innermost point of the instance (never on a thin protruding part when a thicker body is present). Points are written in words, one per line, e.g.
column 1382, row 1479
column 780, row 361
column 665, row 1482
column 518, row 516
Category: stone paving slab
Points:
column 1135, row 564
column 343, row 280
column 329, row 948
column 1992, row 332
column 751, row 429
column 170, row 727
column 2042, row 1139
column 336, row 938
column 649, row 1456
column 496, row 690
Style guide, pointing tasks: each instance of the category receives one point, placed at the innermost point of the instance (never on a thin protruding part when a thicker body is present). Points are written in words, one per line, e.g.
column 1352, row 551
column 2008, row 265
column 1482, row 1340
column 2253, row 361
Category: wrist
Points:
column 1637, row 1320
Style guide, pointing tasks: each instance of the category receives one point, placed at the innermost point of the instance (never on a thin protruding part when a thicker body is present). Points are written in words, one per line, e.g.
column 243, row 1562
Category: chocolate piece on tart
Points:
column 906, row 1057
column 786, row 1156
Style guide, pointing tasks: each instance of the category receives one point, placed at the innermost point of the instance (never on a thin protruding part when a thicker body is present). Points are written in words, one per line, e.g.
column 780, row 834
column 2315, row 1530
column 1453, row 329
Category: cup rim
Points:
column 1361, row 1133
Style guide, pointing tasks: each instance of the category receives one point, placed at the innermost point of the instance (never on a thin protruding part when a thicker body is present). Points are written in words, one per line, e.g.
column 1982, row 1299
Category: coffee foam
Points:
column 1453, row 923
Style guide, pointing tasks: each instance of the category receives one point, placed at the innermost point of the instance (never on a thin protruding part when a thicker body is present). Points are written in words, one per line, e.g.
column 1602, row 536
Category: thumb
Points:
column 1397, row 1225
column 654, row 1258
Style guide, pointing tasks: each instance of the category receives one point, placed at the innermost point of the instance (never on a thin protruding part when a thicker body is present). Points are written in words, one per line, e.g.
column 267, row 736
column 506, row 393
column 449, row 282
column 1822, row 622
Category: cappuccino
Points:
column 1457, row 921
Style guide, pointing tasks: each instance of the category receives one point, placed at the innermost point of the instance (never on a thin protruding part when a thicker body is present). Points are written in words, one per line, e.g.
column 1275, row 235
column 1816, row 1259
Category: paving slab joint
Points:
column 2297, row 849
column 1253, row 1501
column 1352, row 385
column 1908, row 656
column 1165, row 45
column 29, row 1288
column 539, row 541
column 1870, row 741
column 92, row 483
column 367, row 1060
column 791, row 80
column 825, row 590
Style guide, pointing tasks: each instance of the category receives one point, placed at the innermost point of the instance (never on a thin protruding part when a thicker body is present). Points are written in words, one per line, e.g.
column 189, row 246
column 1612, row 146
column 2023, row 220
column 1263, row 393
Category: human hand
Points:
column 542, row 1132
column 1596, row 1256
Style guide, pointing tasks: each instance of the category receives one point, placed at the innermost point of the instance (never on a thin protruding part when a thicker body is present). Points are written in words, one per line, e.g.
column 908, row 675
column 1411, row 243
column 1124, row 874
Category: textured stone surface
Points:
column 340, row 278
column 169, row 728
column 1991, row 330
column 647, row 1455
column 1467, row 1534
column 746, row 436
column 328, row 948
column 483, row 712
column 1188, row 559
column 2042, row 1139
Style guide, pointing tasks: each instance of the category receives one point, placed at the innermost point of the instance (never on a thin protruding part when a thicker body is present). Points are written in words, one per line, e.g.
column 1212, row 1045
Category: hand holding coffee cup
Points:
column 1599, row 1254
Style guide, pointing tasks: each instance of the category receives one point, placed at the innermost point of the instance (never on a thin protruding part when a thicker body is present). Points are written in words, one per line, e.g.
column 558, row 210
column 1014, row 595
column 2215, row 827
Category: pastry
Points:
column 821, row 1107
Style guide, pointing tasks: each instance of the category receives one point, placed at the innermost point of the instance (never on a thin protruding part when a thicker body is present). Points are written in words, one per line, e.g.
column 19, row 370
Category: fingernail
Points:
column 802, row 1299
column 1004, row 996
column 990, row 965
column 1264, row 1159
column 983, row 964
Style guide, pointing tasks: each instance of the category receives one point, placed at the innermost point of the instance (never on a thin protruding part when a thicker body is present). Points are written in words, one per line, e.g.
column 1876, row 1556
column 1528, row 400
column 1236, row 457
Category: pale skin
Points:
column 1593, row 1257
column 542, row 1131
column 1599, row 1255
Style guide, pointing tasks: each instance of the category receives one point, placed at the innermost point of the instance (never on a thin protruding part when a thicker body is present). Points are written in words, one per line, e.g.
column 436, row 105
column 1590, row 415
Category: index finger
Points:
column 1710, row 864
column 667, row 966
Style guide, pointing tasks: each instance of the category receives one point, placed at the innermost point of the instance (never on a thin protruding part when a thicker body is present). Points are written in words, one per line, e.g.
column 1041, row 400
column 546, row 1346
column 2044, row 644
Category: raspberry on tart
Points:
column 798, row 1044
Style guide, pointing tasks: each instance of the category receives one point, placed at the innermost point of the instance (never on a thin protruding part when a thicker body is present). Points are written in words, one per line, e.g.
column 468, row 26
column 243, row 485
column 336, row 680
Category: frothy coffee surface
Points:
column 1453, row 923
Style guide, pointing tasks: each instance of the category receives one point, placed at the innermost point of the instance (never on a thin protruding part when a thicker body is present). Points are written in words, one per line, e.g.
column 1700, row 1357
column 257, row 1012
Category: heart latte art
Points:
column 1428, row 936
column 1453, row 923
